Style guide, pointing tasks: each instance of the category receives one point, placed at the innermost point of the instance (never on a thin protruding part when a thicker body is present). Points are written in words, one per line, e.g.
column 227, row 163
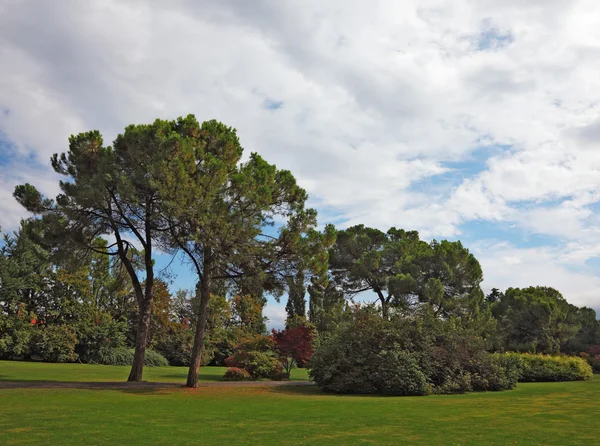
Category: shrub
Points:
column 255, row 343
column 545, row 368
column 176, row 346
column 593, row 357
column 104, row 333
column 16, row 333
column 124, row 356
column 407, row 357
column 236, row 374
column 56, row 343
column 258, row 364
column 459, row 363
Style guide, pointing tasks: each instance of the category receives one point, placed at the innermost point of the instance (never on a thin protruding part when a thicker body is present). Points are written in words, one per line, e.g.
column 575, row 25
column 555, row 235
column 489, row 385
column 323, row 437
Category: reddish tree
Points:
column 294, row 345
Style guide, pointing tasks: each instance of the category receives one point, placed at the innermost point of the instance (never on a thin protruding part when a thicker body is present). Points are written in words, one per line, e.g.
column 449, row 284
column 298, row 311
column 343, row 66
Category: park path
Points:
column 142, row 385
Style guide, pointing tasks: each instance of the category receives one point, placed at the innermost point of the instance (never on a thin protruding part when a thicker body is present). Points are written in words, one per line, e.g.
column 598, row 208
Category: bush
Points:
column 16, row 334
column 176, row 347
column 236, row 374
column 56, row 343
column 124, row 356
column 104, row 333
column 592, row 356
column 546, row 368
column 258, row 364
column 369, row 355
column 459, row 363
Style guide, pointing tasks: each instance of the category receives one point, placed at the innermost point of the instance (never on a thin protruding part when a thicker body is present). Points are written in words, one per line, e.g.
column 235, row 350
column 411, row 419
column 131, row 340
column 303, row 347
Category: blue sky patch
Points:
column 270, row 104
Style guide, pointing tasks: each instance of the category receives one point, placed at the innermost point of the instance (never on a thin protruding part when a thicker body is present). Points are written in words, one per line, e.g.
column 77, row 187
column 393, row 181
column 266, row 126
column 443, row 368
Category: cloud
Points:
column 561, row 267
column 374, row 107
column 276, row 315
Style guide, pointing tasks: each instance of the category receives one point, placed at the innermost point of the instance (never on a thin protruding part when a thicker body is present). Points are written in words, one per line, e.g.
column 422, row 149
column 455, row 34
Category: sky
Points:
column 472, row 120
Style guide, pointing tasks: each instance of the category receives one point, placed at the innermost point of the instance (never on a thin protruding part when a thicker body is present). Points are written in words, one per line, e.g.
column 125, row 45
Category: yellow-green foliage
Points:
column 538, row 367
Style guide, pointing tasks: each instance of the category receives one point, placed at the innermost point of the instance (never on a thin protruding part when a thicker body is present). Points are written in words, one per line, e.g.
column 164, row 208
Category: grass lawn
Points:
column 39, row 371
column 537, row 413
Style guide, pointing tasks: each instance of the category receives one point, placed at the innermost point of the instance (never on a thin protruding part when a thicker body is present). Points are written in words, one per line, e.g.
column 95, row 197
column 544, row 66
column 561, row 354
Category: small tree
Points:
column 294, row 346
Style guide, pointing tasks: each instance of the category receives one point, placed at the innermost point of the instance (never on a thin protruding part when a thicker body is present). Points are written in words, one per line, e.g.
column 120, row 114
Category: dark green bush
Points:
column 124, row 356
column 459, row 363
column 176, row 347
column 101, row 334
column 16, row 334
column 407, row 357
column 547, row 368
column 55, row 343
column 258, row 364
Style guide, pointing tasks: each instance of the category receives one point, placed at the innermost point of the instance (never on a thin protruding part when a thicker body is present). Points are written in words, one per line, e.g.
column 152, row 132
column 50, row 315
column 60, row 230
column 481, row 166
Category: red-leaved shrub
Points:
column 236, row 374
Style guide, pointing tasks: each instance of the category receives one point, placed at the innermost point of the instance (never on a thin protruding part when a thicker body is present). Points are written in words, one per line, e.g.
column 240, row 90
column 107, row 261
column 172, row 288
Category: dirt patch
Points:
column 142, row 385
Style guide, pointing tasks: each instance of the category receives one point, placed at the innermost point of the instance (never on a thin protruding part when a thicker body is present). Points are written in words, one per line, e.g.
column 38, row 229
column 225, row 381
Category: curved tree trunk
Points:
column 143, row 329
column 192, row 379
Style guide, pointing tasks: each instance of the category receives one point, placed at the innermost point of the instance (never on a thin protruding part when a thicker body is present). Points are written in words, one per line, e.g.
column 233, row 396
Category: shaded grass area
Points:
column 535, row 413
column 38, row 371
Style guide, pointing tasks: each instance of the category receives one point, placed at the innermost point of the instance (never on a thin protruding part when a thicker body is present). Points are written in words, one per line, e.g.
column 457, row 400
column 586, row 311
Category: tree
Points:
column 495, row 295
column 296, row 304
column 326, row 308
column 449, row 279
column 534, row 319
column 294, row 346
column 589, row 331
column 311, row 272
column 366, row 259
column 114, row 191
column 219, row 213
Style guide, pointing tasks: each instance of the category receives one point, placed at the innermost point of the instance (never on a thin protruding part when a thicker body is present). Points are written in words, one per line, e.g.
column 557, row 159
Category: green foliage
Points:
column 258, row 364
column 55, row 343
column 459, row 363
column 534, row 319
column 101, row 333
column 404, row 271
column 416, row 356
column 236, row 374
column 124, row 356
column 16, row 333
column 176, row 346
column 547, row 368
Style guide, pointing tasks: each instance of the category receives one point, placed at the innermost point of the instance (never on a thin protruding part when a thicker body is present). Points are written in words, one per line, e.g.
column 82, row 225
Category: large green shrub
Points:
column 177, row 345
column 459, row 363
column 407, row 357
column 100, row 335
column 124, row 356
column 55, row 343
column 544, row 368
column 365, row 357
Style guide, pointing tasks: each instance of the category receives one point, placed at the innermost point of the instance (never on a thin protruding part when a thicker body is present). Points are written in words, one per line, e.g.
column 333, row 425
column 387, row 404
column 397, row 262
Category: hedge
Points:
column 548, row 368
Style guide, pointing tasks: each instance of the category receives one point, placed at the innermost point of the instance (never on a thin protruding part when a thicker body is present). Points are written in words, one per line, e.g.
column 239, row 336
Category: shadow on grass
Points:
column 203, row 378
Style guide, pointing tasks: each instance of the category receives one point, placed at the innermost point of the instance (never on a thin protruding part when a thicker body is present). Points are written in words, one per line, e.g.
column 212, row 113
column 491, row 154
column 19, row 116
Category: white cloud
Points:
column 374, row 98
column 560, row 267
column 276, row 314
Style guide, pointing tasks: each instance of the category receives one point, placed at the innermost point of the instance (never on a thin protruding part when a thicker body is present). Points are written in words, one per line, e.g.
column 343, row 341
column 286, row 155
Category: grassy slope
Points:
column 38, row 371
column 537, row 413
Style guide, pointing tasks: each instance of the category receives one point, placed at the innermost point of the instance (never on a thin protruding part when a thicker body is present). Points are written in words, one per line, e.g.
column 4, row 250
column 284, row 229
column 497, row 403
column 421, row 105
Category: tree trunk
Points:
column 143, row 329
column 385, row 305
column 204, row 288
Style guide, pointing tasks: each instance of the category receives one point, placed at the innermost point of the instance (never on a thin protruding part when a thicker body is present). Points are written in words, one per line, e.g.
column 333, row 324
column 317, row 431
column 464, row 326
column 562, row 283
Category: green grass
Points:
column 39, row 371
column 536, row 413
